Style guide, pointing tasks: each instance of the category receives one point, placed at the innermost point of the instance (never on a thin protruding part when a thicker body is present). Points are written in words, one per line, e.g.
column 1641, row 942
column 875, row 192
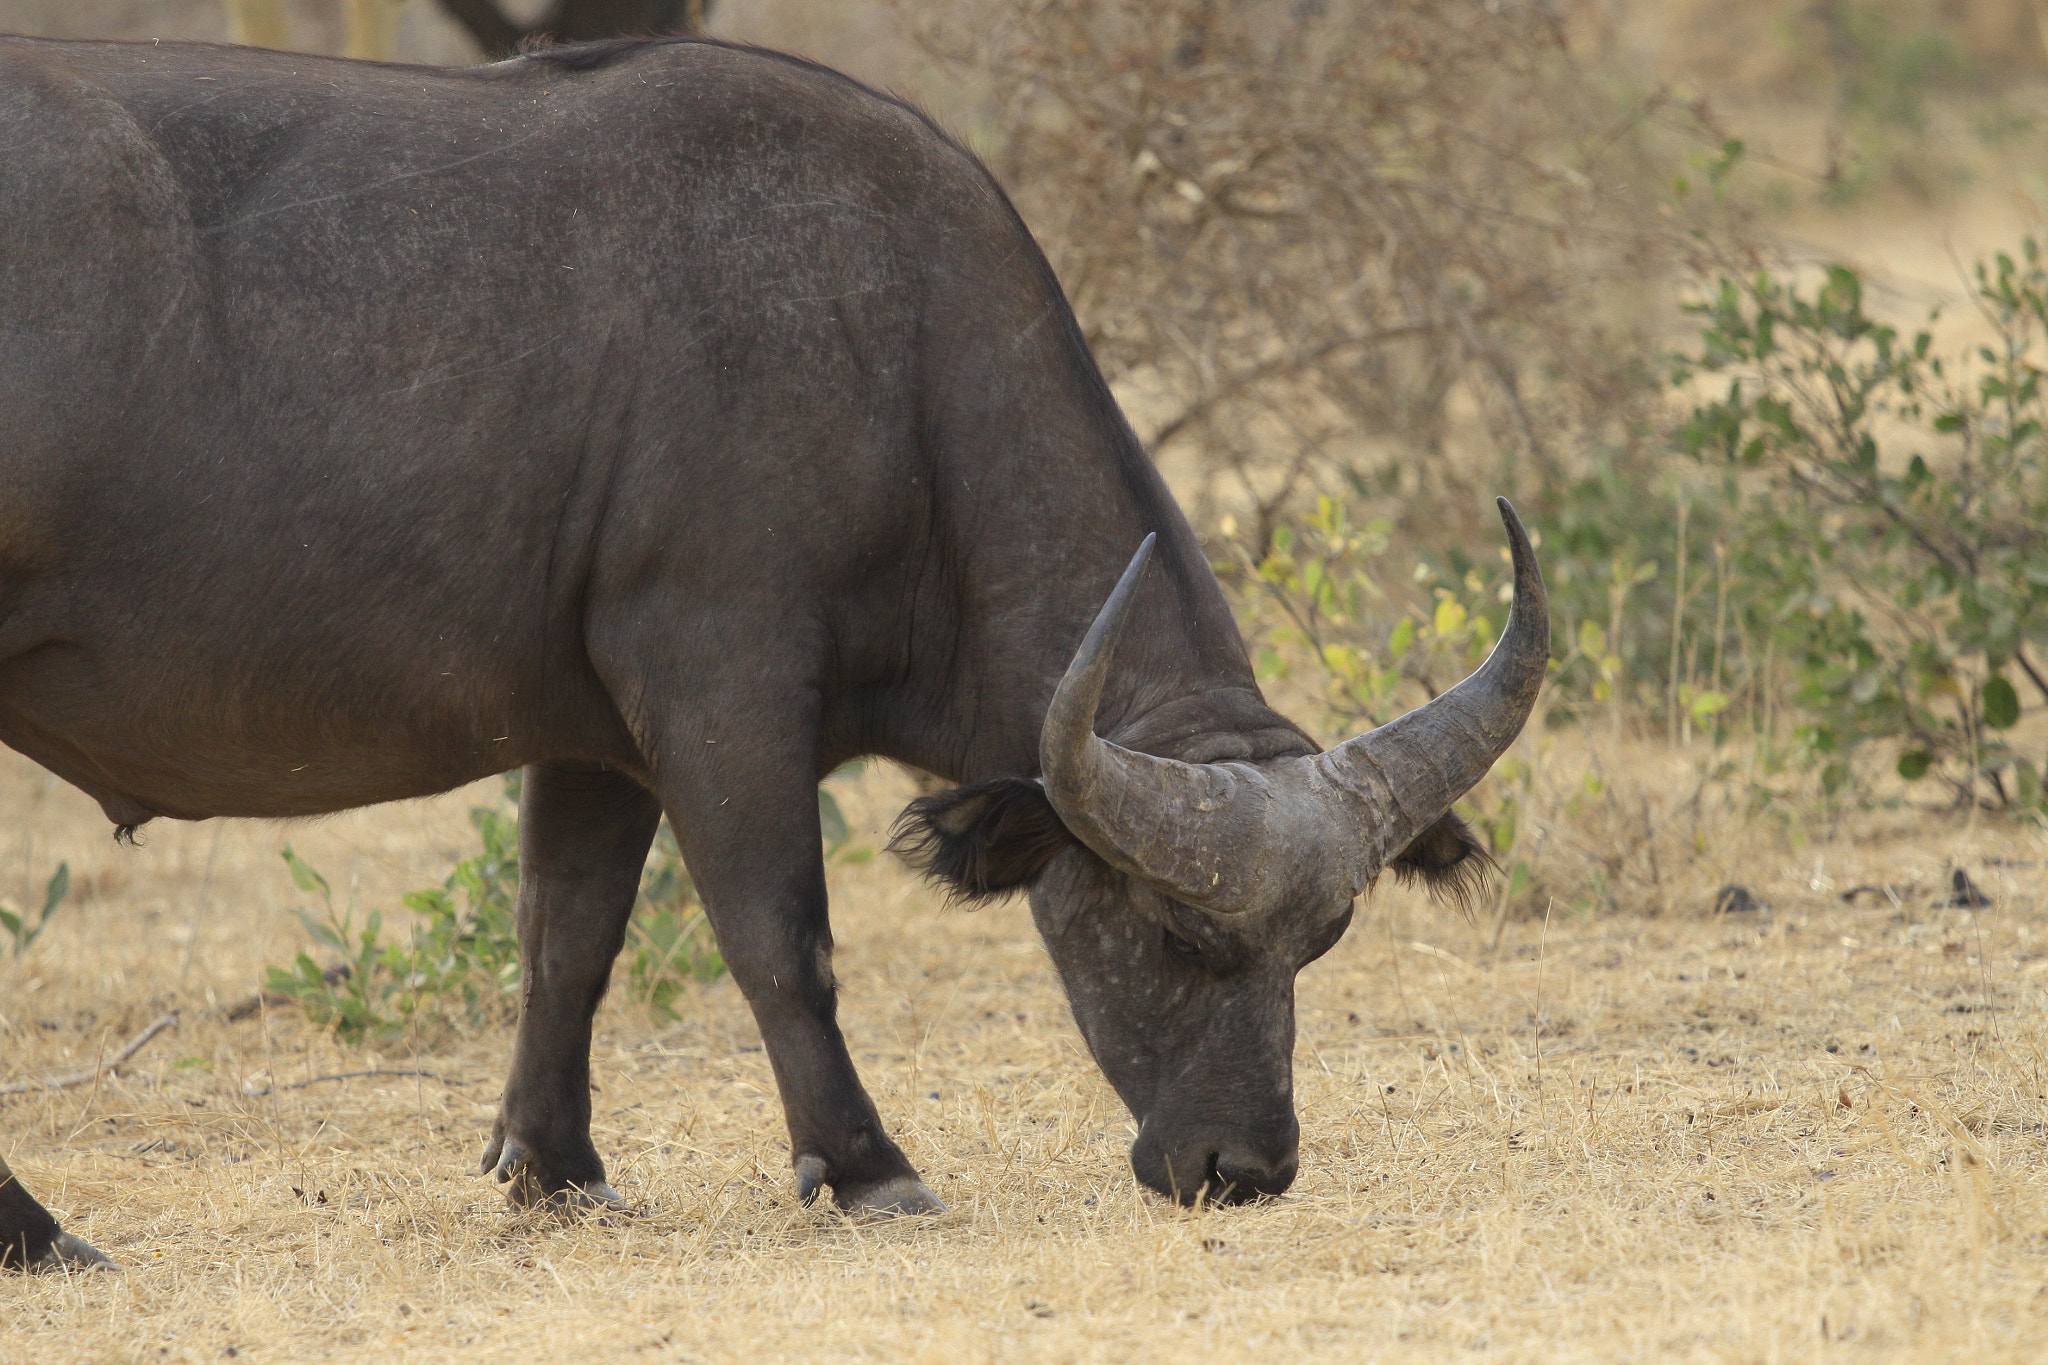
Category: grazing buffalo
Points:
column 677, row 421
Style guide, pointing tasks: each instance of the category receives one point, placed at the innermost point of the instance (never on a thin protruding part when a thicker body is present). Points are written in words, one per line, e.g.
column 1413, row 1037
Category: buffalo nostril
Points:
column 1238, row 1180
column 1228, row 1173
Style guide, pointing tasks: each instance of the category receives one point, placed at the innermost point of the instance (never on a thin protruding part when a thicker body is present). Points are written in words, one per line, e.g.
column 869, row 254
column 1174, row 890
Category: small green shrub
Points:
column 1318, row 610
column 16, row 922
column 459, row 969
column 1894, row 516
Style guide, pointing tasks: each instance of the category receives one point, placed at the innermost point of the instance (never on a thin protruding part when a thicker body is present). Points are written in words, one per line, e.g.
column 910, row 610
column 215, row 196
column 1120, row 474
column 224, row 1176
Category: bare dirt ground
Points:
column 1810, row 1131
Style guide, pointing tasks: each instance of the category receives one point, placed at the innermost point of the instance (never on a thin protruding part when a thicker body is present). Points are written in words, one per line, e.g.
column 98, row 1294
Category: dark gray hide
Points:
column 673, row 419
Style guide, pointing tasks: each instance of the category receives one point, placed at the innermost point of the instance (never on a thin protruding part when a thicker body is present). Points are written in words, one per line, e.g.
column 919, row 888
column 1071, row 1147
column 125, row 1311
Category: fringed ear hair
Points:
column 1449, row 861
column 982, row 840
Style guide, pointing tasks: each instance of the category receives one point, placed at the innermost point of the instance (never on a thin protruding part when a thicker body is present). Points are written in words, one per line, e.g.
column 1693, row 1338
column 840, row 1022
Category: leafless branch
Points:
column 65, row 1080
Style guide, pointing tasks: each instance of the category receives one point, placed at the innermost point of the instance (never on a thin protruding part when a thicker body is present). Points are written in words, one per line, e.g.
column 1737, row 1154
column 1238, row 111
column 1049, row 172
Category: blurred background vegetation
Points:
column 1738, row 299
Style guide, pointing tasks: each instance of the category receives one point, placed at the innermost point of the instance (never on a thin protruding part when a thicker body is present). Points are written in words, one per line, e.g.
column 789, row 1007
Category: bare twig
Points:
column 66, row 1079
column 2019, row 655
column 354, row 1075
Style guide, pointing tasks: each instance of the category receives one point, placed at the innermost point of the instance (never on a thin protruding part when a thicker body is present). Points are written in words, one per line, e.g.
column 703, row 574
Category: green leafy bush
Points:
column 1318, row 612
column 1894, row 516
column 459, row 968
column 1855, row 554
column 1317, row 604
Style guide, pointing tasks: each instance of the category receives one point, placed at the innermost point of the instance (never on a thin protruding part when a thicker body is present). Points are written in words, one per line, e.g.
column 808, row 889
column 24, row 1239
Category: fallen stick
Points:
column 350, row 1076
column 65, row 1080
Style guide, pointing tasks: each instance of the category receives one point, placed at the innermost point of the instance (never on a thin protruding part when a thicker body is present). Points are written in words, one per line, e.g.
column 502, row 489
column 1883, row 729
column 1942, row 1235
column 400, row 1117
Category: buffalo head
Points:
column 1178, row 900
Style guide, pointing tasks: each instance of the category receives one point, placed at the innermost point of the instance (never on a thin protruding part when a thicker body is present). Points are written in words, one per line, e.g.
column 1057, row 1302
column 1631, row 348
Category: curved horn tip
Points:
column 1109, row 621
column 1069, row 728
column 1511, row 520
column 1520, row 551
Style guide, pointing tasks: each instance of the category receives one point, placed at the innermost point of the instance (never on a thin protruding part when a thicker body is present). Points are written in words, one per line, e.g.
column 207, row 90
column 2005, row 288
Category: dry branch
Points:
column 1333, row 241
column 66, row 1079
column 350, row 1076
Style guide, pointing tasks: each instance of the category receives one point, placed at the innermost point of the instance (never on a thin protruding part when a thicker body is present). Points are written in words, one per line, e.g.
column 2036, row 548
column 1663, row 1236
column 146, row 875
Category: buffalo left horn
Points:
column 1235, row 837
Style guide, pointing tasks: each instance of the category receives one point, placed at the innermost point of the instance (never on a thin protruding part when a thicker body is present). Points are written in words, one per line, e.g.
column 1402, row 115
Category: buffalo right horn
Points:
column 1236, row 837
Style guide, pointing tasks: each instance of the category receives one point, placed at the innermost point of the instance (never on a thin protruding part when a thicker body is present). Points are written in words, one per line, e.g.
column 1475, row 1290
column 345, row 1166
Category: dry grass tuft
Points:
column 1746, row 1137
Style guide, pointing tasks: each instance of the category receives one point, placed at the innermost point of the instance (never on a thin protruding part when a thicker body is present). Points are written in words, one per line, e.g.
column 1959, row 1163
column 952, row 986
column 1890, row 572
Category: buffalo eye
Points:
column 1181, row 947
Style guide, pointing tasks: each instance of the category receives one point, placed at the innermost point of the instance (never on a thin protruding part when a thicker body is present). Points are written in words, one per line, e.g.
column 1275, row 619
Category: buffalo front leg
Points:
column 583, row 840
column 749, row 831
column 30, row 1239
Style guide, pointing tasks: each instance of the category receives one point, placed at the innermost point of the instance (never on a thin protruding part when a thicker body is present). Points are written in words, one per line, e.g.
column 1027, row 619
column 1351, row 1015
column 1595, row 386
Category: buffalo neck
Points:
column 1039, row 508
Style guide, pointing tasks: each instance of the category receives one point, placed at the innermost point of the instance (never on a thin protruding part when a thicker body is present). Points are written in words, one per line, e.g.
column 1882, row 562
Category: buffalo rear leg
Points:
column 30, row 1239
column 583, row 840
column 747, row 816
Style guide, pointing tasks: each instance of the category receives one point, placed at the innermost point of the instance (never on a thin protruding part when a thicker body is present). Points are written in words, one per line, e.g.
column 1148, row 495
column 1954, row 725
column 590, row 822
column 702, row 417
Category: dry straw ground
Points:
column 1810, row 1132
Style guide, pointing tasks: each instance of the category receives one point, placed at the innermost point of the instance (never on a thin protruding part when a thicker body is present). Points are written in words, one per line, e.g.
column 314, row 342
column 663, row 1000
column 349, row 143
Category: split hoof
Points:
column 897, row 1195
column 71, row 1252
column 526, row 1185
column 892, row 1198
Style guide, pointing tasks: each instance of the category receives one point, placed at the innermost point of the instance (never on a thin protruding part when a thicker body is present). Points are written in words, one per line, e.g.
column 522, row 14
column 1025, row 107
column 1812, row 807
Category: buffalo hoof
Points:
column 519, row 1170
column 890, row 1198
column 70, row 1252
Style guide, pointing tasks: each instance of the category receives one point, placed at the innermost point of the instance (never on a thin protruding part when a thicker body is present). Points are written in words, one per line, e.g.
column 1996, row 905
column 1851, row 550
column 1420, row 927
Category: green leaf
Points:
column 433, row 902
column 1450, row 615
column 2001, row 703
column 831, row 820
column 1914, row 766
column 322, row 933
column 1519, row 880
column 1592, row 640
column 53, row 894
column 1401, row 639
column 303, row 875
column 1505, row 826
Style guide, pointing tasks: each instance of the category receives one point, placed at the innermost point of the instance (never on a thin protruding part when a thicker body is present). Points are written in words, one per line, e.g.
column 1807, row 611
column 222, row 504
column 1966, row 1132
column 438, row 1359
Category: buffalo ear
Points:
column 1449, row 860
column 982, row 840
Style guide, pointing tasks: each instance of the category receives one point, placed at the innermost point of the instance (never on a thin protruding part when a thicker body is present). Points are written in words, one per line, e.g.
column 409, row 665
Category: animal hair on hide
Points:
column 981, row 840
column 1449, row 861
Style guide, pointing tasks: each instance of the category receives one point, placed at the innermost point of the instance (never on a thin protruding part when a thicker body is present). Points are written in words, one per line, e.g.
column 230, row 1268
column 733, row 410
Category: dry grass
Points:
column 1767, row 1137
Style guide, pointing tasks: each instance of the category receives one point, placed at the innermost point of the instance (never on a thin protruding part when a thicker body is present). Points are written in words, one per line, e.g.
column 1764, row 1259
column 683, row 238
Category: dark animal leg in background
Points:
column 486, row 25
column 575, row 21
column 30, row 1238
column 749, row 827
column 583, row 839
